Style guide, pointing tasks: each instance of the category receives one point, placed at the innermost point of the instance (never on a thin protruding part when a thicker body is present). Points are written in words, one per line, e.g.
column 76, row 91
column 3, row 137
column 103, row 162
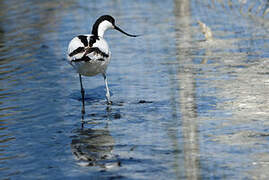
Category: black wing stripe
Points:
column 84, row 59
column 93, row 39
column 76, row 51
column 84, row 40
column 97, row 50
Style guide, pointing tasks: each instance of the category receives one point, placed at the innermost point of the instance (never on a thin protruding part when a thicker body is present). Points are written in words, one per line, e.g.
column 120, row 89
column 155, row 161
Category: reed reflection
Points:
column 188, row 108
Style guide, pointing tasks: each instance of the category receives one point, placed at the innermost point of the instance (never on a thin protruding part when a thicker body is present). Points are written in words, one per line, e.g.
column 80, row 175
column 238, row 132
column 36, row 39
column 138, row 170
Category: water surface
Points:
column 184, row 107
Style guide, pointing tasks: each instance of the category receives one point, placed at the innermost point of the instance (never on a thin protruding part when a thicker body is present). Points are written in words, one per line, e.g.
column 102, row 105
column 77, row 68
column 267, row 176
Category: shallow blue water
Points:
column 184, row 108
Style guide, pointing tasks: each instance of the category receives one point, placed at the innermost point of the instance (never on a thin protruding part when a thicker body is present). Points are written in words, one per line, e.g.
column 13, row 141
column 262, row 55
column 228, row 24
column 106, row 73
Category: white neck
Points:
column 103, row 26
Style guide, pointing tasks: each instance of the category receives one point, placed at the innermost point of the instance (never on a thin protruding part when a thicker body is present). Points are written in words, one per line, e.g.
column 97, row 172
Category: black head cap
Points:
column 112, row 21
column 101, row 19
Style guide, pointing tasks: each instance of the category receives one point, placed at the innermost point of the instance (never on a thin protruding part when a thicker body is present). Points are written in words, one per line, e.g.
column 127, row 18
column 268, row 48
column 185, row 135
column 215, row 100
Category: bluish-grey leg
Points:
column 107, row 90
column 82, row 95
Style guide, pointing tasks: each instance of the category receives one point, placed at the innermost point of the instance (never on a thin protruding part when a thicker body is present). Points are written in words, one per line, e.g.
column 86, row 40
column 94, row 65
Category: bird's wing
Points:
column 76, row 49
column 95, row 53
column 84, row 48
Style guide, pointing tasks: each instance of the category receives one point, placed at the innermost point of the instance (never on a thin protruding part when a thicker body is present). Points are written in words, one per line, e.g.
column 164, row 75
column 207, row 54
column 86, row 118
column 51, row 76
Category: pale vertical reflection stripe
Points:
column 187, row 94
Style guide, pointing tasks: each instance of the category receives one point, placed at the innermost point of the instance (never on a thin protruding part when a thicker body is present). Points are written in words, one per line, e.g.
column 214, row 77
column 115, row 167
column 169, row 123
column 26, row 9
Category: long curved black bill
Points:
column 117, row 28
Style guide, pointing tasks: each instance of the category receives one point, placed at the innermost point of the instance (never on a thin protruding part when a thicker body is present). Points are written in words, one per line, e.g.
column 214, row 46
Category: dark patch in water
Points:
column 93, row 114
column 44, row 46
column 117, row 116
column 144, row 101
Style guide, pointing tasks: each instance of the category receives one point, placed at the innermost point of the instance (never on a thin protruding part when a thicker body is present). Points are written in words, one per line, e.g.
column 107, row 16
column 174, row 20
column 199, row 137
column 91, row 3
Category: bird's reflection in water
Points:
column 94, row 147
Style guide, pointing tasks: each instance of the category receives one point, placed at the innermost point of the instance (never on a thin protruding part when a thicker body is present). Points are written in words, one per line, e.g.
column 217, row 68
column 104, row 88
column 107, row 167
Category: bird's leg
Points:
column 82, row 120
column 82, row 95
column 107, row 90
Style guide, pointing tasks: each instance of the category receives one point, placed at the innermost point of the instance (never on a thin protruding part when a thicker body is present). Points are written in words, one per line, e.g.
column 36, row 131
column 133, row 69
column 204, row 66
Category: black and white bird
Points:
column 89, row 54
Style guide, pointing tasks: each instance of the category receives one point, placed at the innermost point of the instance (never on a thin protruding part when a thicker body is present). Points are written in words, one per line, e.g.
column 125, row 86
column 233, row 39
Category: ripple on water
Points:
column 183, row 107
